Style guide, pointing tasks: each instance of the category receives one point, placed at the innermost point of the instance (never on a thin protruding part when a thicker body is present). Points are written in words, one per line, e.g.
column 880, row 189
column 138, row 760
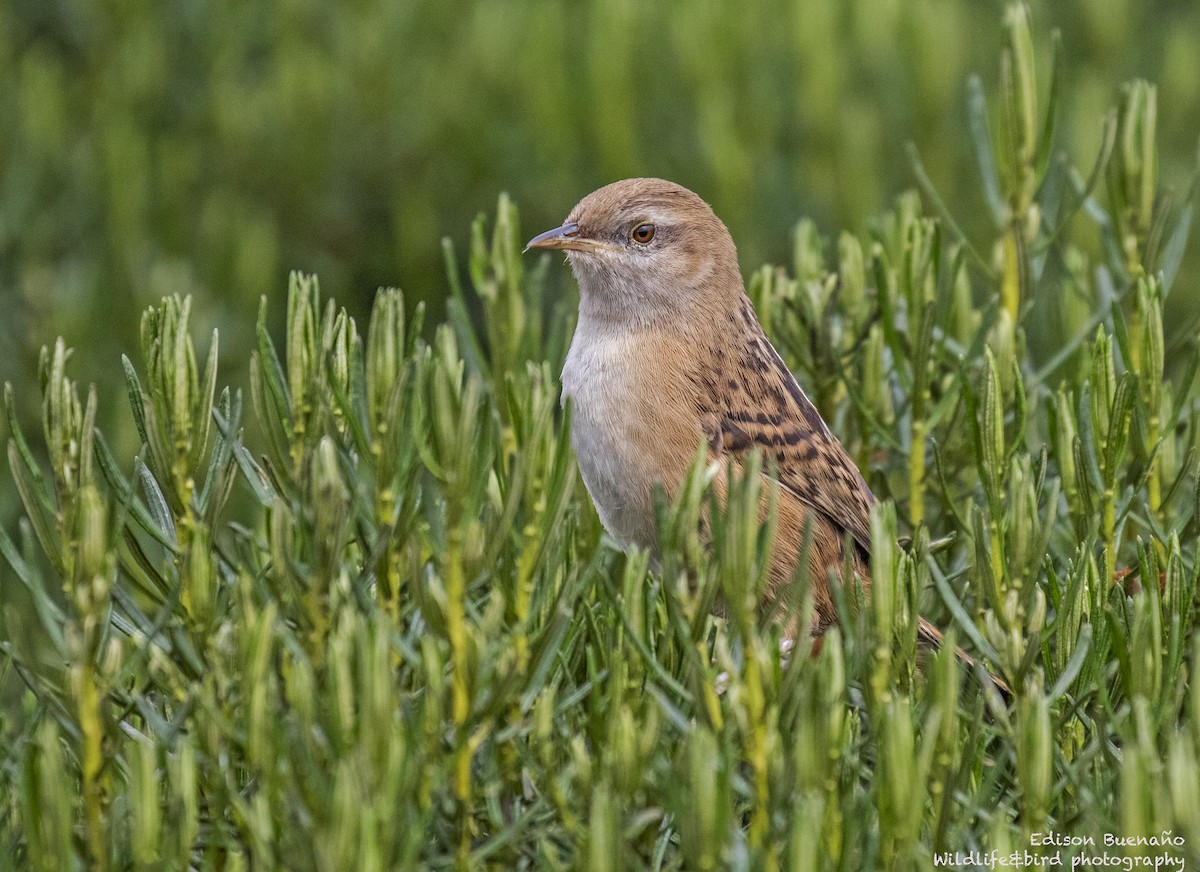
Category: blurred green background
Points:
column 210, row 146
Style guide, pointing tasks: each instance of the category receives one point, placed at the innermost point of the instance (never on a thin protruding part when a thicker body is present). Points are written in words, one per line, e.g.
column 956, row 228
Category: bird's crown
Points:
column 647, row 248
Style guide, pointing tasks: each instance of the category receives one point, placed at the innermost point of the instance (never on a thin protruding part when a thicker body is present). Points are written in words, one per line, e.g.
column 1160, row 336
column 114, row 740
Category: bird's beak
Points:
column 566, row 237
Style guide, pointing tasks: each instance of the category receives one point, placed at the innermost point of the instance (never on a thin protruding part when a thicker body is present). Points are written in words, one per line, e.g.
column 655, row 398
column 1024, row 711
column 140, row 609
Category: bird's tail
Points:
column 931, row 637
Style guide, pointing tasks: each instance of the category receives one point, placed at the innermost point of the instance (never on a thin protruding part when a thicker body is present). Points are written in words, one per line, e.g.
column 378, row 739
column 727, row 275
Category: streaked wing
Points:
column 759, row 403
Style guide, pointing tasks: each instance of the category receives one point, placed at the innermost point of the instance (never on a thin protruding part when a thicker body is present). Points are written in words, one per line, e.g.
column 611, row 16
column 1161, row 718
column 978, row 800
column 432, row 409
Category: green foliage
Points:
column 372, row 623
column 148, row 150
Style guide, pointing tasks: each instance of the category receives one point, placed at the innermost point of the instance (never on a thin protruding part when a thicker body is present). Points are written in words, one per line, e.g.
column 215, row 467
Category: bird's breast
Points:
column 634, row 424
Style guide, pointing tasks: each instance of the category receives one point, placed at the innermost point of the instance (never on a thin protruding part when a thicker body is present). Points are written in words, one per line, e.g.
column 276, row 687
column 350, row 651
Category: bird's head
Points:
column 646, row 250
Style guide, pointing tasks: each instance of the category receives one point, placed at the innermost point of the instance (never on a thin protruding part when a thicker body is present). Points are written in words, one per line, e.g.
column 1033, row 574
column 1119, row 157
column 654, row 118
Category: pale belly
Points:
column 619, row 433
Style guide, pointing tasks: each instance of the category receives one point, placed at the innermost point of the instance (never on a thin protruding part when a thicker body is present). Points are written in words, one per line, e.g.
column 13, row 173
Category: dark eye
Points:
column 643, row 233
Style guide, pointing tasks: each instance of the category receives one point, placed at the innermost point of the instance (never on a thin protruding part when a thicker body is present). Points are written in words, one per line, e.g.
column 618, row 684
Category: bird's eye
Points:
column 643, row 233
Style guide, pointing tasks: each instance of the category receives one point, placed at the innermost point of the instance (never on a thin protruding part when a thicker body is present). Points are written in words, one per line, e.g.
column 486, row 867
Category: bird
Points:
column 667, row 352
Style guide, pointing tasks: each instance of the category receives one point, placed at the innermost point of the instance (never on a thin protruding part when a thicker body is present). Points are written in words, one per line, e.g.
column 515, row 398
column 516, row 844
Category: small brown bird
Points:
column 668, row 349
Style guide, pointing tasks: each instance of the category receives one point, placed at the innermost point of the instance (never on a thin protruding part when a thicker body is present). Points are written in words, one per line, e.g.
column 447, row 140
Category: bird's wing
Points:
column 761, row 404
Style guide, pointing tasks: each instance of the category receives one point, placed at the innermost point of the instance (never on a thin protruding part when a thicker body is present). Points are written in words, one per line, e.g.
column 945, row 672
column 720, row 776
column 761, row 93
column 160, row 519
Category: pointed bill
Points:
column 564, row 237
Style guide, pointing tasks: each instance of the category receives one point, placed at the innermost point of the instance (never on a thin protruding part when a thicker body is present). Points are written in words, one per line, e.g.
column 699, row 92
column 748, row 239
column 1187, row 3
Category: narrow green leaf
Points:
column 156, row 502
column 1050, row 122
column 981, row 141
column 42, row 516
column 1172, row 255
column 1074, row 664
